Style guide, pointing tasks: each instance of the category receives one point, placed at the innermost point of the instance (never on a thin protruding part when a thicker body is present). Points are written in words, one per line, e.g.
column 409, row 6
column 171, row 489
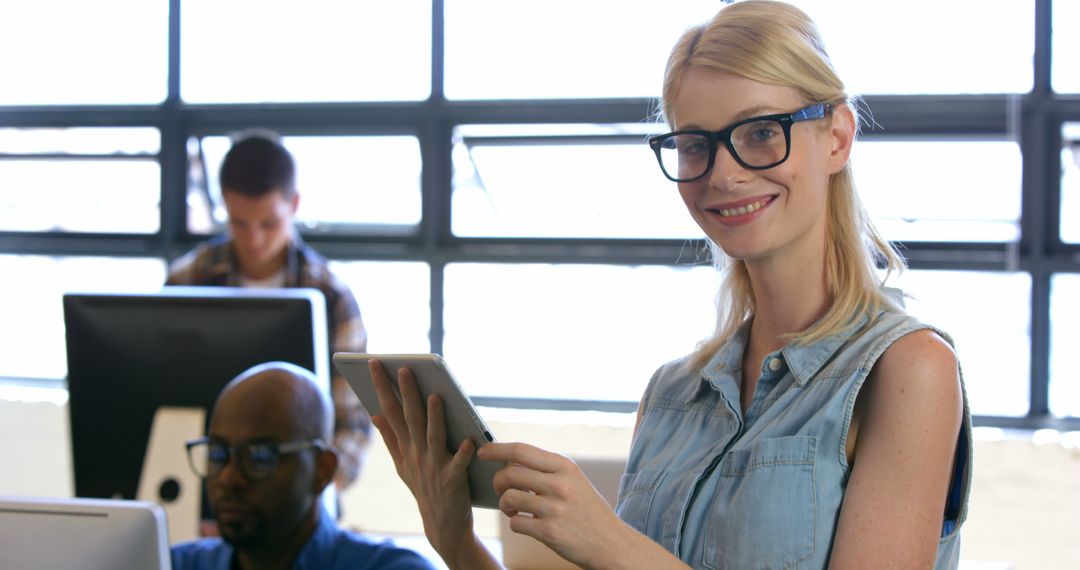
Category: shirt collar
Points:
column 313, row 555
column 318, row 548
column 230, row 268
column 804, row 360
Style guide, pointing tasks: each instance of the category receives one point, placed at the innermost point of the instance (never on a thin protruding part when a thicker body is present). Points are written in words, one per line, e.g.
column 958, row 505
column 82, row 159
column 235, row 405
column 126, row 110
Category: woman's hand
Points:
column 416, row 439
column 566, row 512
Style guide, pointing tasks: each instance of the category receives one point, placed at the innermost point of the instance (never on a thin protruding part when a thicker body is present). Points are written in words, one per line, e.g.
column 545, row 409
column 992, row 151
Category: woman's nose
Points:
column 725, row 170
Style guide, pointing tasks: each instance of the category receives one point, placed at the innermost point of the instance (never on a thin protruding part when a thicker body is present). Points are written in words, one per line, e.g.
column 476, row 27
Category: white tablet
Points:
column 432, row 377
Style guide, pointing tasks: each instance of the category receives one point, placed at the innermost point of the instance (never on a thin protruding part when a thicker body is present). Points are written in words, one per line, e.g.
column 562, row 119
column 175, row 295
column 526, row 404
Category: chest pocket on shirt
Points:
column 636, row 493
column 763, row 513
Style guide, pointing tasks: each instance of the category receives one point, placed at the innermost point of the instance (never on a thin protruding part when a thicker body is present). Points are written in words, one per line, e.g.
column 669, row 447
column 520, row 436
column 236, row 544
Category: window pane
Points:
column 35, row 348
column 63, row 52
column 80, row 180
column 395, row 303
column 994, row 346
column 941, row 190
column 995, row 55
column 966, row 47
column 1065, row 47
column 73, row 196
column 81, row 141
column 588, row 332
column 347, row 184
column 1064, row 338
column 514, row 182
column 599, row 48
column 1070, row 183
column 329, row 50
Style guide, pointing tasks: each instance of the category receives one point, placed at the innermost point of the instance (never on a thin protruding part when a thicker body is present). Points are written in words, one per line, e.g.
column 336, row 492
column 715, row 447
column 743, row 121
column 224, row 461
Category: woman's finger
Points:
column 436, row 426
column 388, row 401
column 459, row 463
column 521, row 501
column 516, row 476
column 530, row 526
column 413, row 406
column 525, row 454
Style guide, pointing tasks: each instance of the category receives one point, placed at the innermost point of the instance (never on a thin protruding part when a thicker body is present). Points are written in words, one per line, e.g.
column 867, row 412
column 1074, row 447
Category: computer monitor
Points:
column 131, row 354
column 94, row 534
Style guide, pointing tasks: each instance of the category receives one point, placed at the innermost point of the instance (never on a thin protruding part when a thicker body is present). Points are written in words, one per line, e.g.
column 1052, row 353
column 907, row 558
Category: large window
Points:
column 251, row 51
column 59, row 52
column 477, row 172
column 926, row 46
column 571, row 331
column 1065, row 76
column 941, row 190
column 93, row 180
column 348, row 183
column 607, row 48
column 1070, row 183
column 562, row 181
column 33, row 331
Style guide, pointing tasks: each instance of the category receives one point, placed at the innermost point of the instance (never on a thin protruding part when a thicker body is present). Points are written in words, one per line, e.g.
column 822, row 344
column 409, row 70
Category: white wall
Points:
column 1025, row 505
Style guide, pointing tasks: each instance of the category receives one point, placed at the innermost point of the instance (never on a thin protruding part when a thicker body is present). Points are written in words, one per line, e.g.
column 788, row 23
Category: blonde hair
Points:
column 775, row 43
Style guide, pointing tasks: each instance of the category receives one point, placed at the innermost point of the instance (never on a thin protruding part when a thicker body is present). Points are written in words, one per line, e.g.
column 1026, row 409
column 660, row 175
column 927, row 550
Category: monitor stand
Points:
column 167, row 478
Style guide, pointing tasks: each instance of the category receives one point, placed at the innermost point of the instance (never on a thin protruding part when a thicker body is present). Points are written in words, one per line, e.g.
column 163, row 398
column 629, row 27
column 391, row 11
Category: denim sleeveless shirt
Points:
column 721, row 489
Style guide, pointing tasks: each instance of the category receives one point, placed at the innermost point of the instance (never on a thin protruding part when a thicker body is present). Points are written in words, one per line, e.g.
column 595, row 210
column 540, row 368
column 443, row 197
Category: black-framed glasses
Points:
column 256, row 460
column 756, row 143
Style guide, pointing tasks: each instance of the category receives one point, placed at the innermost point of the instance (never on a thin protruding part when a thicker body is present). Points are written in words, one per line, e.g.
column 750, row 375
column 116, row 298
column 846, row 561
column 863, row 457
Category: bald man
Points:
column 266, row 461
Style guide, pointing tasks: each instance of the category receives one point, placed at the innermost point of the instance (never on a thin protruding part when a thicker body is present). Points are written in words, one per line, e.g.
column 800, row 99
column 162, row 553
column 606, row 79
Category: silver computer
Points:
column 90, row 534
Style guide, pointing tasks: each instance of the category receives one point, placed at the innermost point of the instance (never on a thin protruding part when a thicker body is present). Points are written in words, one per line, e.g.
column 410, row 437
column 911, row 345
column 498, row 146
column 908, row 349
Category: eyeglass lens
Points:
column 756, row 144
column 256, row 461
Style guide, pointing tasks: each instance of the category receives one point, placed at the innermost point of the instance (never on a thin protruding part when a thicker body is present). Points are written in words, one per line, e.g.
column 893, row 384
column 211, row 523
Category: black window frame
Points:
column 1034, row 119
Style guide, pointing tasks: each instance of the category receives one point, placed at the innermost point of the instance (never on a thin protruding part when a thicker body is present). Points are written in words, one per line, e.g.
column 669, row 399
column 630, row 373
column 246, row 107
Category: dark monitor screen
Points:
column 129, row 354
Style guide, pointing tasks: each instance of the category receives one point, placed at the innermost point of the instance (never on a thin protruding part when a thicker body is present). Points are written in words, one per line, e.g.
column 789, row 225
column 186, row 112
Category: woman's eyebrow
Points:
column 748, row 113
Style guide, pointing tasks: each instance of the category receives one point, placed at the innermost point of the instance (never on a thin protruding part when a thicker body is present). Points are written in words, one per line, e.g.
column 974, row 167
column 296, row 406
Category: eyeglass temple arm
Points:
column 812, row 112
column 301, row 445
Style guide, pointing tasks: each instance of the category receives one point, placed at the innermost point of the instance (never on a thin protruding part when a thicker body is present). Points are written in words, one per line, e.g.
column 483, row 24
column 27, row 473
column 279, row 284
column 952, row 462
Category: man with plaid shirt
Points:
column 263, row 249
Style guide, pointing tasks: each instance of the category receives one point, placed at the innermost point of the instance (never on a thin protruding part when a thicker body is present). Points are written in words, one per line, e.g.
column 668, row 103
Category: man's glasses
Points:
column 255, row 460
column 756, row 143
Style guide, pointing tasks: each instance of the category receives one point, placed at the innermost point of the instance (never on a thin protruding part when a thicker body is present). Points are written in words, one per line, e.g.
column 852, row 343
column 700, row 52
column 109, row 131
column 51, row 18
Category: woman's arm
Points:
column 908, row 415
column 565, row 510
column 416, row 440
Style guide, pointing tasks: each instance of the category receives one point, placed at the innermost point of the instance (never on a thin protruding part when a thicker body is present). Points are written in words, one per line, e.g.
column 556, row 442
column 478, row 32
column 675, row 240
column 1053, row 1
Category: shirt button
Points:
column 775, row 364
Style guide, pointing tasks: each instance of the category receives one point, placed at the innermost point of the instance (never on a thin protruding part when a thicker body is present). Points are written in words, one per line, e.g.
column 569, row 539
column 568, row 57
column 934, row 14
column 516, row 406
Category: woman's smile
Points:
column 741, row 212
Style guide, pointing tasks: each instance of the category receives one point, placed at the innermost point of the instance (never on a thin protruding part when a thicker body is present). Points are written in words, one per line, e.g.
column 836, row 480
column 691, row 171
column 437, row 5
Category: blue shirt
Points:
column 724, row 489
column 329, row 548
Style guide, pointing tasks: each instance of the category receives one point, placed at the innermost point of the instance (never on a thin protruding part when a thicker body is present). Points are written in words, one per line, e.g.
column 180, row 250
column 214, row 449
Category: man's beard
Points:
column 242, row 538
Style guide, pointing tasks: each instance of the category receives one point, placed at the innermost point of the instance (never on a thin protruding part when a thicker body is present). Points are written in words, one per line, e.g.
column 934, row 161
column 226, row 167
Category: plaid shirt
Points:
column 213, row 264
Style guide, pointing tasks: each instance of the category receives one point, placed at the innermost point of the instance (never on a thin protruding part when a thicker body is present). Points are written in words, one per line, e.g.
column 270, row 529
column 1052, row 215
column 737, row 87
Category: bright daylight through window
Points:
column 502, row 205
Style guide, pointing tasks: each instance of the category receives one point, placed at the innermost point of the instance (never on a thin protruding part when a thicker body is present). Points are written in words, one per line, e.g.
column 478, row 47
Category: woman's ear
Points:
column 841, row 137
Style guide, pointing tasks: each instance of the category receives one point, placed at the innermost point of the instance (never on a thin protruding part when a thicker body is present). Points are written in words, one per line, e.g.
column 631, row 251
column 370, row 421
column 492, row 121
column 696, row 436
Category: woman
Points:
column 821, row 426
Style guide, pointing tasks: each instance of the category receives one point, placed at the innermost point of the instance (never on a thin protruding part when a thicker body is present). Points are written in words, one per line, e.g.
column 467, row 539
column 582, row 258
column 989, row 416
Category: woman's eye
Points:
column 694, row 146
column 759, row 133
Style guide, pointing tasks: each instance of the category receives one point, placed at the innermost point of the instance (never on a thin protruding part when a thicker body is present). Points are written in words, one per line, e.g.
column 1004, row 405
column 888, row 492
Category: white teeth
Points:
column 742, row 209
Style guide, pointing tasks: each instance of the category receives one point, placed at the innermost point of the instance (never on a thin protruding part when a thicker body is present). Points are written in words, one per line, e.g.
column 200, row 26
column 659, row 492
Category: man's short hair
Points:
column 258, row 164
